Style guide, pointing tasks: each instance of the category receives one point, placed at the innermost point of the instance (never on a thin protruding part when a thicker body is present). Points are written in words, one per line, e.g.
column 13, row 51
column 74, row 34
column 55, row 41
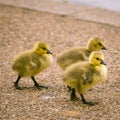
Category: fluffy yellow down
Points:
column 76, row 54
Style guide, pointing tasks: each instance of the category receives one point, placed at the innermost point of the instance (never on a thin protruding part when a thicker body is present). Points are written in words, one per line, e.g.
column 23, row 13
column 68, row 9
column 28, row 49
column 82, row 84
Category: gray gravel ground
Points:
column 19, row 30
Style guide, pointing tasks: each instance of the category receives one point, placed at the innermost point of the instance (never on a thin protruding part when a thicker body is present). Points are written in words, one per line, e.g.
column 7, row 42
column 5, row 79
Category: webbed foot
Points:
column 17, row 87
column 40, row 86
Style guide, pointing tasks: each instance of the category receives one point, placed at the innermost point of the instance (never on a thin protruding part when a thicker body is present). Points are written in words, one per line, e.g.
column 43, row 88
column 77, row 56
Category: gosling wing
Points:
column 34, row 64
column 88, row 77
column 72, row 56
column 81, row 73
column 84, row 73
column 20, row 62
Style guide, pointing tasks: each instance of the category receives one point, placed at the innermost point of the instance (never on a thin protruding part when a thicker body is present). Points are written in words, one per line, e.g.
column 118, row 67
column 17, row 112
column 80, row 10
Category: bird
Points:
column 83, row 75
column 75, row 54
column 31, row 62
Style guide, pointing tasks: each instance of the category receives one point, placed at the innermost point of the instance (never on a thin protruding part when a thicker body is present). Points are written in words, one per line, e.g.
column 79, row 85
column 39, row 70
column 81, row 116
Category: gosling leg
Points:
column 85, row 102
column 37, row 85
column 16, row 83
column 73, row 95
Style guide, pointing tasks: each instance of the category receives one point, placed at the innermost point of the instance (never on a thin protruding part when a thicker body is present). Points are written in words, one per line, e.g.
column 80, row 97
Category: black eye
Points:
column 44, row 48
column 100, row 44
column 97, row 58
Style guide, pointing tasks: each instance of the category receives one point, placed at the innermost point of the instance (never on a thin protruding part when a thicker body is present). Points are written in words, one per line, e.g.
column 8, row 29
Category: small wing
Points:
column 88, row 76
column 20, row 62
column 34, row 63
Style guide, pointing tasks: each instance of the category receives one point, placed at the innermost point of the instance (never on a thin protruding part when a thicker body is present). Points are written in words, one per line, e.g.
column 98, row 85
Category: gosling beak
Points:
column 48, row 52
column 104, row 48
column 102, row 62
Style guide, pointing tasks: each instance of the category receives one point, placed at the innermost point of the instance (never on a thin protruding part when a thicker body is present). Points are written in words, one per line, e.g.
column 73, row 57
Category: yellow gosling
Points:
column 83, row 75
column 76, row 54
column 32, row 62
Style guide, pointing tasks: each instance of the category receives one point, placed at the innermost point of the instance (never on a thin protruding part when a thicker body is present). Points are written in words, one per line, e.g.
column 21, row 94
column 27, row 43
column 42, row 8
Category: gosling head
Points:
column 95, row 44
column 96, row 58
column 41, row 48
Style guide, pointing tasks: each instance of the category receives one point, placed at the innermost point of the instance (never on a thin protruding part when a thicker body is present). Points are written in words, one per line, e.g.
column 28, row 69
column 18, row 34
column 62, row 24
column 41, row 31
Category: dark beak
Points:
column 102, row 62
column 104, row 48
column 48, row 52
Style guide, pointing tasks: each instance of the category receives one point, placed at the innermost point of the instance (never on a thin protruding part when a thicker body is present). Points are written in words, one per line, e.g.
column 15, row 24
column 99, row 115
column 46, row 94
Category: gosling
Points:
column 83, row 75
column 32, row 62
column 76, row 54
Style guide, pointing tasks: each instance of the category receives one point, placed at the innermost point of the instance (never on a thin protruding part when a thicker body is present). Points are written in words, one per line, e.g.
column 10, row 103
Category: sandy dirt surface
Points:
column 20, row 29
column 65, row 7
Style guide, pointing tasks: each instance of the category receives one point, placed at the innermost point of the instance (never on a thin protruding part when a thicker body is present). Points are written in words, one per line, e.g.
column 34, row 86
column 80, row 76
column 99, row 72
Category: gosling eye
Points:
column 44, row 48
column 97, row 58
column 100, row 44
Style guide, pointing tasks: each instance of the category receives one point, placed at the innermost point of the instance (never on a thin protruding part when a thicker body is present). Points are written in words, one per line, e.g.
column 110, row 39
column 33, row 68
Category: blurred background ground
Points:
column 82, row 9
column 21, row 28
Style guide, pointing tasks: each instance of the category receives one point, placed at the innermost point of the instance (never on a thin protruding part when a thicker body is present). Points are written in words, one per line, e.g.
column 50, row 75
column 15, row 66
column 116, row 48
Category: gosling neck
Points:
column 90, row 48
column 37, row 53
